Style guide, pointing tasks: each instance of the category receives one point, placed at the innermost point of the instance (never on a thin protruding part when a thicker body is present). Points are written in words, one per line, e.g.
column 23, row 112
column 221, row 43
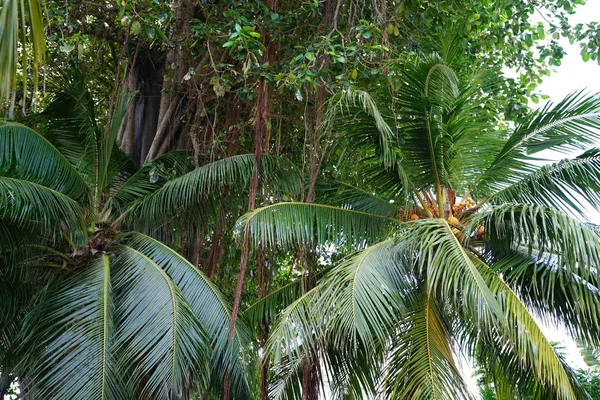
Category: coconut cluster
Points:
column 465, row 204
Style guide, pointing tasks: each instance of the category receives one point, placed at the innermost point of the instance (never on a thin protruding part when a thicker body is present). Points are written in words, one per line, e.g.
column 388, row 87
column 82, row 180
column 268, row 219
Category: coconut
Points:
column 453, row 221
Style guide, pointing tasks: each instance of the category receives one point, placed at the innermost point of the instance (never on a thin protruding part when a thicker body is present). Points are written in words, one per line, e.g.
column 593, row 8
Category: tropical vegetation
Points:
column 266, row 200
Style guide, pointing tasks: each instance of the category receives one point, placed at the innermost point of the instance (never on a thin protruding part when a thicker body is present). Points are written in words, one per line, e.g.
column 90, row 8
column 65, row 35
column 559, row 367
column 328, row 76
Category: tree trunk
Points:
column 141, row 120
column 259, row 134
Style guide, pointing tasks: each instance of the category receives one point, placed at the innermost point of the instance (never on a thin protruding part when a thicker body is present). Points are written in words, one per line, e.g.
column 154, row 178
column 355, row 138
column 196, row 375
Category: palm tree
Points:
column 457, row 239
column 21, row 23
column 93, row 305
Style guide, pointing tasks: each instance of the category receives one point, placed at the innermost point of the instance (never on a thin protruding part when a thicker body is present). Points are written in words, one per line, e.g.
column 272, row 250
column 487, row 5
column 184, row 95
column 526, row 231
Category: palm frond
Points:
column 450, row 270
column 421, row 364
column 566, row 186
column 287, row 224
column 25, row 154
column 195, row 187
column 69, row 122
column 542, row 232
column 160, row 344
column 267, row 308
column 348, row 196
column 150, row 177
column 426, row 91
column 572, row 124
column 357, row 111
column 106, row 155
column 528, row 342
column 206, row 302
column 74, row 331
column 27, row 203
column 554, row 293
column 356, row 304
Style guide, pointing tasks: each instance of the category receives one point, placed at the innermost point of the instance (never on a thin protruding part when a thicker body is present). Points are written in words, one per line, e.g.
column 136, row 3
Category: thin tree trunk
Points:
column 259, row 134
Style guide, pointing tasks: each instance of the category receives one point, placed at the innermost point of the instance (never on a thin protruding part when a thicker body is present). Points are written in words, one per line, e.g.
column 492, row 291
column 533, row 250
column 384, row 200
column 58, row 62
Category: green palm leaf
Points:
column 160, row 344
column 25, row 154
column 208, row 304
column 557, row 294
column 288, row 224
column 27, row 203
column 531, row 347
column 572, row 124
column 566, row 186
column 195, row 187
column 142, row 183
column 74, row 333
column 450, row 270
column 13, row 29
column 540, row 230
column 421, row 363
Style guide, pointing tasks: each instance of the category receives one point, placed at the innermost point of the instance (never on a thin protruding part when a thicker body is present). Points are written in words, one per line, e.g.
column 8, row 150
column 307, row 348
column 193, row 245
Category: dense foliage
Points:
column 282, row 199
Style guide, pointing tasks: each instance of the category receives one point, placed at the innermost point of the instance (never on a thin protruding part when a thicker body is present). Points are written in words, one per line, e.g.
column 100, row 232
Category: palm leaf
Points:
column 421, row 363
column 106, row 155
column 450, row 270
column 530, row 345
column 74, row 331
column 27, row 203
column 160, row 344
column 69, row 122
column 566, row 186
column 194, row 187
column 25, row 154
column 142, row 183
column 348, row 196
column 542, row 231
column 358, row 113
column 207, row 303
column 288, row 224
column 13, row 16
column 572, row 124
column 556, row 294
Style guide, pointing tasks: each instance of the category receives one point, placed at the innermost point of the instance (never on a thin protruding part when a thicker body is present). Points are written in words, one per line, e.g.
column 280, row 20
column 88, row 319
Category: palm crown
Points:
column 98, row 309
column 460, row 238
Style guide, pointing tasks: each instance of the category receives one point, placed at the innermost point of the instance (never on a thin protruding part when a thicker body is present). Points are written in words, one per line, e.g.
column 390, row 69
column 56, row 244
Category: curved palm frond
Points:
column 27, row 203
column 348, row 196
column 208, row 304
column 554, row 293
column 427, row 90
column 572, row 124
column 566, row 186
column 287, row 224
column 161, row 346
column 151, row 177
column 543, row 232
column 73, row 331
column 358, row 113
column 450, row 271
column 110, row 158
column 26, row 155
column 196, row 186
column 421, row 364
column 354, row 308
column 69, row 122
column 528, row 342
